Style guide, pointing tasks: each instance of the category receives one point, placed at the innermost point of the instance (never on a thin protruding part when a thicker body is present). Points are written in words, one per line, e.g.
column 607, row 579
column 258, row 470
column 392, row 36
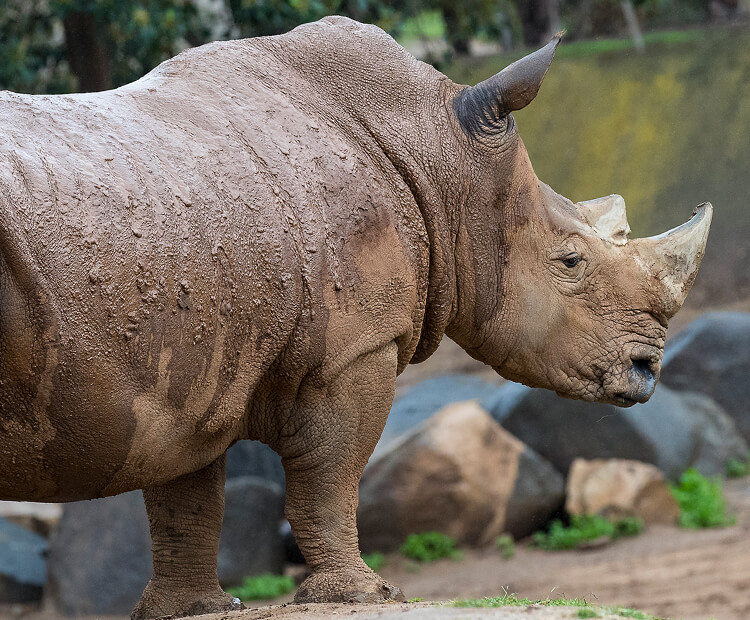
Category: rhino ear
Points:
column 482, row 108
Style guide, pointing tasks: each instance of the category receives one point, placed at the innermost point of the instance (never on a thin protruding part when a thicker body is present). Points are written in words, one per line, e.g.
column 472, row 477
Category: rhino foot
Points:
column 346, row 587
column 156, row 604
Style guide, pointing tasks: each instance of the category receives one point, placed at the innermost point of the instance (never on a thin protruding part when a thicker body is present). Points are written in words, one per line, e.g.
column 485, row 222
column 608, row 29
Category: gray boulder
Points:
column 22, row 564
column 538, row 492
column 100, row 556
column 251, row 542
column 712, row 356
column 716, row 436
column 423, row 400
column 253, row 458
column 673, row 430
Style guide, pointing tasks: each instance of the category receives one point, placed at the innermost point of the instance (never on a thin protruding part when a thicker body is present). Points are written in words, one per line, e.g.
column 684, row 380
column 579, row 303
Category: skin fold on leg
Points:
column 325, row 446
column 185, row 517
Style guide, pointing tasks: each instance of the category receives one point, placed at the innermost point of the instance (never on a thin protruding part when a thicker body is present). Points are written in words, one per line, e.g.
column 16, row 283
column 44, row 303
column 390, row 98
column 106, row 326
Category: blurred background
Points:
column 647, row 507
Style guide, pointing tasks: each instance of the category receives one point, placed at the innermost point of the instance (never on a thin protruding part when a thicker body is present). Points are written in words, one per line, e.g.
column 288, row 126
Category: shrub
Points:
column 736, row 468
column 701, row 501
column 263, row 587
column 583, row 528
column 505, row 545
column 429, row 546
column 629, row 526
column 374, row 560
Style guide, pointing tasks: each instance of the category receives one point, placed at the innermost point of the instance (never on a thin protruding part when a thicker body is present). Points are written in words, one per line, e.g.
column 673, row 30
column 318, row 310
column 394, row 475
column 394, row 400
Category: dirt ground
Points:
column 667, row 571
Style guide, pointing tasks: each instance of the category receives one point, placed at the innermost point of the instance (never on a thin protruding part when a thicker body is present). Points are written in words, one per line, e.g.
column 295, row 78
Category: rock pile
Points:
column 673, row 430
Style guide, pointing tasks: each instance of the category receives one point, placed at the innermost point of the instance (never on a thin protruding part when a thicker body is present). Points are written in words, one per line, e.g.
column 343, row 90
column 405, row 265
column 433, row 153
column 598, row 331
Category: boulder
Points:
column 22, row 564
column 457, row 473
column 424, row 399
column 618, row 488
column 672, row 430
column 251, row 541
column 100, row 556
column 37, row 517
column 253, row 458
column 712, row 356
column 716, row 436
column 538, row 492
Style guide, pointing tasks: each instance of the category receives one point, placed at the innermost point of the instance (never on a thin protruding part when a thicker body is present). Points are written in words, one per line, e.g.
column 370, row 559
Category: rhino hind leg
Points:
column 185, row 517
column 325, row 447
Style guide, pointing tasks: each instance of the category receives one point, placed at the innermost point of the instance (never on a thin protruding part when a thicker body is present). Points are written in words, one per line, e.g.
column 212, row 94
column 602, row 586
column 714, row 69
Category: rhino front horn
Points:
column 481, row 109
column 673, row 257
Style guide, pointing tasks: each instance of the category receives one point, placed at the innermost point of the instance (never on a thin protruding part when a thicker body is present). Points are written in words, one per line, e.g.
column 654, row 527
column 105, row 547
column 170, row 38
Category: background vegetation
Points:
column 56, row 46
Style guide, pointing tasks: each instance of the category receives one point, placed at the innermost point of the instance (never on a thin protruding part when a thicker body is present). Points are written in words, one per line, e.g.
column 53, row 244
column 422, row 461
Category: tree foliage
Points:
column 59, row 46
column 63, row 45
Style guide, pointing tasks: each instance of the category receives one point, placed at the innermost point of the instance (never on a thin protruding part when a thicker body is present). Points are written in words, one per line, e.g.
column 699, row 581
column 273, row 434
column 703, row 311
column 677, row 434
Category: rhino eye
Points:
column 571, row 261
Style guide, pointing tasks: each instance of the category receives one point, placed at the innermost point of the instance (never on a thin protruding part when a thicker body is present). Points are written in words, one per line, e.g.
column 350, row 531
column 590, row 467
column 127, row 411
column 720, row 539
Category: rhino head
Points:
column 573, row 304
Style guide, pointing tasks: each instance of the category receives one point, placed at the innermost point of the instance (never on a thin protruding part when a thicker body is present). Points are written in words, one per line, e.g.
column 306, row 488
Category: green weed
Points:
column 584, row 528
column 736, row 468
column 430, row 546
column 417, row 599
column 506, row 546
column 701, row 501
column 263, row 587
column 629, row 526
column 374, row 560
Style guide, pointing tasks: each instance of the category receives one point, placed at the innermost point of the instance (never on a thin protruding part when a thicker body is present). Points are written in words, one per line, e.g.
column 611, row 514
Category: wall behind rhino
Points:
column 667, row 129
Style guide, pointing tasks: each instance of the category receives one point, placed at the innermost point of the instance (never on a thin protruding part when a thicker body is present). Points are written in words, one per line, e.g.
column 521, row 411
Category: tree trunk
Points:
column 540, row 20
column 88, row 54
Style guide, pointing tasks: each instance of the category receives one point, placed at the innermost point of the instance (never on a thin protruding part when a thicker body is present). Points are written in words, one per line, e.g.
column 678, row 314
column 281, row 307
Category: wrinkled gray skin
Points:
column 253, row 241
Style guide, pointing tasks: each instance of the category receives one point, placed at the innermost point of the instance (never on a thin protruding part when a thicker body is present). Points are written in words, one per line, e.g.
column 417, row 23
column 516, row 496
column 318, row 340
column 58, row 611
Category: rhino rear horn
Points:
column 482, row 108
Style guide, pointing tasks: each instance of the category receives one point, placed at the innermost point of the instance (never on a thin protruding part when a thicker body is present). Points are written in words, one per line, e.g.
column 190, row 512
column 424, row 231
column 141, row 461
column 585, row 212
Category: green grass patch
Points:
column 701, row 501
column 506, row 546
column 509, row 599
column 374, row 560
column 586, row 610
column 263, row 587
column 738, row 468
column 417, row 599
column 430, row 546
column 584, row 528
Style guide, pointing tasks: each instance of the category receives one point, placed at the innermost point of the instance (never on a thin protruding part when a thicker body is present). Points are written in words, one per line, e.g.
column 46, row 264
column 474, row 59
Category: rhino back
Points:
column 190, row 231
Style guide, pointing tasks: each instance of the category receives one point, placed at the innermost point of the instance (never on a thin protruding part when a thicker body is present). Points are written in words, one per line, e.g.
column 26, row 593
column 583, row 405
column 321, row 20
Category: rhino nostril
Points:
column 643, row 367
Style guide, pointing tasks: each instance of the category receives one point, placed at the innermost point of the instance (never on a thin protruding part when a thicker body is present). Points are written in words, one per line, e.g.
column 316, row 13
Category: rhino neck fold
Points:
column 440, row 223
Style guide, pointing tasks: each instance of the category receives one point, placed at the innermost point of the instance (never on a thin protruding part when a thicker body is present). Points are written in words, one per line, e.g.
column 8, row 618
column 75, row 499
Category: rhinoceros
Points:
column 252, row 242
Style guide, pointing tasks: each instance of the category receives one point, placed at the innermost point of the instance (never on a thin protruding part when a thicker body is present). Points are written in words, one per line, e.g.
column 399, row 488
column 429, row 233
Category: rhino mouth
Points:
column 625, row 401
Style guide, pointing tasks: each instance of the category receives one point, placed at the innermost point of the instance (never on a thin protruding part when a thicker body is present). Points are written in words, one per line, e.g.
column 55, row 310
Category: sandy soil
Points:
column 673, row 573
column 667, row 571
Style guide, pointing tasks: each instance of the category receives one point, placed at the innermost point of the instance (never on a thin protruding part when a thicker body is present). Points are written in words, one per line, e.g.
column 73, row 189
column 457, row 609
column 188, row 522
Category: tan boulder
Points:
column 617, row 488
column 455, row 473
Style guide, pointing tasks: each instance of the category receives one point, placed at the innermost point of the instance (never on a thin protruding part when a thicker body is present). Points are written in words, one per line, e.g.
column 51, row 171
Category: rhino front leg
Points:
column 325, row 447
column 185, row 516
